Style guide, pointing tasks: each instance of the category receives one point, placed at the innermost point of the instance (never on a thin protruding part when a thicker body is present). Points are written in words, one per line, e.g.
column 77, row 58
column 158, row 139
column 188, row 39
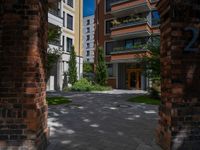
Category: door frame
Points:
column 138, row 74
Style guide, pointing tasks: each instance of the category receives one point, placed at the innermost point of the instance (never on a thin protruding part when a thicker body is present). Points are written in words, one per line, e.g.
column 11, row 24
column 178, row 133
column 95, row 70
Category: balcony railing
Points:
column 55, row 43
column 135, row 48
column 128, row 22
column 55, row 13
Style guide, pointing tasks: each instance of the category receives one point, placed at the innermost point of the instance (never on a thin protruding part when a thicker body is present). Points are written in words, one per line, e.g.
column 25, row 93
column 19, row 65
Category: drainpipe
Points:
column 80, row 38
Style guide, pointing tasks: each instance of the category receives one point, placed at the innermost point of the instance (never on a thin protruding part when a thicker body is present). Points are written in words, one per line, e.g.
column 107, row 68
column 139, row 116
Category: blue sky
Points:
column 88, row 7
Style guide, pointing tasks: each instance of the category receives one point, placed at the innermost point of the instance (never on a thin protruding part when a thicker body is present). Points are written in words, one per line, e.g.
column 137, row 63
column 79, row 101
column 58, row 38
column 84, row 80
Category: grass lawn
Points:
column 145, row 99
column 57, row 100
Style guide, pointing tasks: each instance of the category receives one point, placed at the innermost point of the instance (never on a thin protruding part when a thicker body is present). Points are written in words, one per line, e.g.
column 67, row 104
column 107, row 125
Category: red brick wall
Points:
column 23, row 44
column 179, row 112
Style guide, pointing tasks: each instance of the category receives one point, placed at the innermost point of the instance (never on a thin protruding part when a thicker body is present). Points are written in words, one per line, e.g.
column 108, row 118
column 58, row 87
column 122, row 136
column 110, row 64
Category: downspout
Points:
column 80, row 38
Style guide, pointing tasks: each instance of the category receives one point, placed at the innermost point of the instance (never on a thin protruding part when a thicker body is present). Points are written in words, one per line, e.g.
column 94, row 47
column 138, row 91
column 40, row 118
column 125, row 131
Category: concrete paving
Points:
column 102, row 121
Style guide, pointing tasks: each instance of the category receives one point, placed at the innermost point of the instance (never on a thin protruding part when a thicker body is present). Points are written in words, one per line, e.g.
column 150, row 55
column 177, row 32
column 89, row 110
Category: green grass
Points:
column 57, row 100
column 145, row 99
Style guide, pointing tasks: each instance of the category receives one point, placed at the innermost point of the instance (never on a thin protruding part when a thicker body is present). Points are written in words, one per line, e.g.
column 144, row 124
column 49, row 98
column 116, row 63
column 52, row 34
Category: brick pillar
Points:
column 23, row 44
column 179, row 124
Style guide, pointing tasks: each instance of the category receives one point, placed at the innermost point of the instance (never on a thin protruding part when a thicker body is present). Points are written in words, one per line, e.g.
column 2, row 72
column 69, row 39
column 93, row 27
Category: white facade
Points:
column 58, row 18
column 88, row 38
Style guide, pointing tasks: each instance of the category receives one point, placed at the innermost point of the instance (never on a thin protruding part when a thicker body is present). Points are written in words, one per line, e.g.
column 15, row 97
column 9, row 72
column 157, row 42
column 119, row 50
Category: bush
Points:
column 84, row 85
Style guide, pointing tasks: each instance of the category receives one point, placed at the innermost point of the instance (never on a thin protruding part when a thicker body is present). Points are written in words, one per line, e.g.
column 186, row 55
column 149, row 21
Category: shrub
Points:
column 82, row 85
column 85, row 86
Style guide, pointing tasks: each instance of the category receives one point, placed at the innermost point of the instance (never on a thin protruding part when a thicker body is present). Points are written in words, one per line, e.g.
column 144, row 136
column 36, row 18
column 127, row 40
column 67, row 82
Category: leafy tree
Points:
column 72, row 72
column 152, row 63
column 101, row 68
column 52, row 54
column 87, row 67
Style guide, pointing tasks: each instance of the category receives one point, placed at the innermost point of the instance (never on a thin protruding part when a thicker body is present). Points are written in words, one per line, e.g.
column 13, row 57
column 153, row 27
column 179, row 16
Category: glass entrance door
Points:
column 134, row 79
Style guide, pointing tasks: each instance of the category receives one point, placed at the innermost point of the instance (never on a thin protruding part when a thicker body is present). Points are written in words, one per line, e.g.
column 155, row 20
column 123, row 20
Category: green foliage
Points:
column 145, row 99
column 84, row 85
column 87, row 67
column 57, row 100
column 101, row 69
column 72, row 72
column 52, row 54
column 152, row 64
column 53, row 34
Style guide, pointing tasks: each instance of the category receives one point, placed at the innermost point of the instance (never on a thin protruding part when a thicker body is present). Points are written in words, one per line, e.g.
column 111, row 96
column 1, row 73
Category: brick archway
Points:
column 180, row 60
column 23, row 44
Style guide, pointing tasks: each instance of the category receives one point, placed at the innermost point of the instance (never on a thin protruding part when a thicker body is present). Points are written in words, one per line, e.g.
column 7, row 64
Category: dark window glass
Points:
column 88, row 22
column 88, row 45
column 63, row 43
column 88, row 37
column 88, row 30
column 110, row 70
column 129, row 44
column 70, row 3
column 108, row 26
column 155, row 18
column 63, row 19
column 109, row 47
column 69, row 22
column 69, row 44
column 88, row 53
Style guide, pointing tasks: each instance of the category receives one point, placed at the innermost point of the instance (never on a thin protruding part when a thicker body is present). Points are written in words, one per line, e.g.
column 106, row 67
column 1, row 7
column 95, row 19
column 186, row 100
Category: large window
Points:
column 69, row 22
column 108, row 26
column 70, row 3
column 129, row 44
column 88, row 53
column 109, row 47
column 63, row 42
column 88, row 37
column 63, row 19
column 155, row 18
column 69, row 44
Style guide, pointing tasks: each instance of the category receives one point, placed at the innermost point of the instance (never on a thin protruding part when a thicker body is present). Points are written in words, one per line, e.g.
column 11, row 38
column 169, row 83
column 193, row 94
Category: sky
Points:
column 88, row 7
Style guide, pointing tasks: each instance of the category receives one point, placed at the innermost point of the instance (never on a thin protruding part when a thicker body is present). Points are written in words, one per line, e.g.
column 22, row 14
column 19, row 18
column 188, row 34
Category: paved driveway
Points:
column 102, row 121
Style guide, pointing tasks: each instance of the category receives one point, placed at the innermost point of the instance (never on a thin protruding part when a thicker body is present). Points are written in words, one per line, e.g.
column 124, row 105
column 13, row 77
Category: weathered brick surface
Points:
column 179, row 124
column 23, row 44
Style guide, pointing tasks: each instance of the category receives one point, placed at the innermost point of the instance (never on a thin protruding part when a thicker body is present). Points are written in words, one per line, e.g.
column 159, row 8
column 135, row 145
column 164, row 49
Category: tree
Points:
column 152, row 63
column 72, row 72
column 101, row 69
column 87, row 67
column 52, row 54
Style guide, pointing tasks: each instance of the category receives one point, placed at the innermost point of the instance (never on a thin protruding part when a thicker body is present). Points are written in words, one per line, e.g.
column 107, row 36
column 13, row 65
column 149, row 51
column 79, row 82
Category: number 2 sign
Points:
column 195, row 36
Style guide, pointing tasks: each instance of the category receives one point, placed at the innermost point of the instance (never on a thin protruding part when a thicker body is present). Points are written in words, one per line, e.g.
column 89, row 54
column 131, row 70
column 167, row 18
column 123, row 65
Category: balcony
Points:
column 131, row 29
column 123, row 7
column 133, row 49
column 54, row 17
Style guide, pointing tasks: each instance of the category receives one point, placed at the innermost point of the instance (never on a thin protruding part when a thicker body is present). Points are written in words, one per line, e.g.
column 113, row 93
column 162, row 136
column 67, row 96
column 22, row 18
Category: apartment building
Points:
column 88, row 38
column 122, row 28
column 67, row 16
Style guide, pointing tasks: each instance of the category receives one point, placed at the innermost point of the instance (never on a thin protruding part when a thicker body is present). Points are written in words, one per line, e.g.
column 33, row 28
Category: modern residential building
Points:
column 67, row 15
column 88, row 38
column 122, row 27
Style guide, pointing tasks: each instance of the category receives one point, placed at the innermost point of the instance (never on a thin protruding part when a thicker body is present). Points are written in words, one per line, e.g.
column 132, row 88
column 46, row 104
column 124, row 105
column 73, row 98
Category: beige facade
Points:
column 68, row 16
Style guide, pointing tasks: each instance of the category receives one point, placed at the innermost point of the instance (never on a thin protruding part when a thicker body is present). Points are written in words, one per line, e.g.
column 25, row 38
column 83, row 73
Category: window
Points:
column 155, row 18
column 88, row 30
column 109, row 47
column 88, row 53
column 108, row 26
column 69, row 22
column 88, row 22
column 69, row 44
column 88, row 45
column 129, row 44
column 110, row 70
column 88, row 37
column 63, row 19
column 70, row 3
column 63, row 43
column 88, row 59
